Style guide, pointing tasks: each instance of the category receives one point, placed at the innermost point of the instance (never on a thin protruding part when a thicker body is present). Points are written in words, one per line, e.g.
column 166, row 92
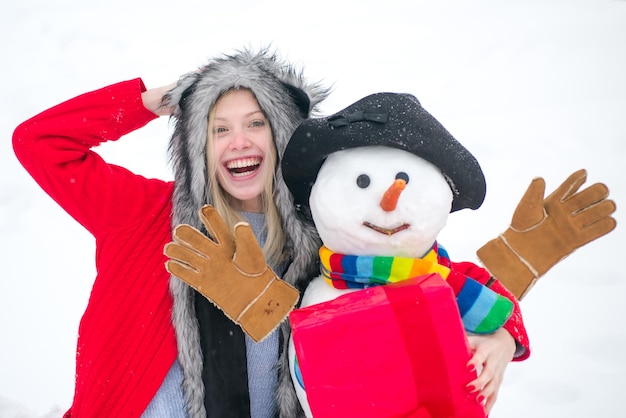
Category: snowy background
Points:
column 535, row 88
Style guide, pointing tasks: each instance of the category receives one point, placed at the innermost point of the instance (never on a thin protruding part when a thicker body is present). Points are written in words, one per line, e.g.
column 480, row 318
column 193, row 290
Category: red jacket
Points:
column 515, row 324
column 126, row 342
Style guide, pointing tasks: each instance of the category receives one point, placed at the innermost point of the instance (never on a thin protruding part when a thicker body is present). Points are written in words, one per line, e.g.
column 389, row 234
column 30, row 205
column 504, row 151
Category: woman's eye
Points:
column 403, row 176
column 363, row 181
column 220, row 130
column 257, row 124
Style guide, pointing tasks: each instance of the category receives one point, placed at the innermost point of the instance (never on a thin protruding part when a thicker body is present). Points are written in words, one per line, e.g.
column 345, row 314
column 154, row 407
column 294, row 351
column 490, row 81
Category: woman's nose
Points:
column 239, row 140
column 390, row 199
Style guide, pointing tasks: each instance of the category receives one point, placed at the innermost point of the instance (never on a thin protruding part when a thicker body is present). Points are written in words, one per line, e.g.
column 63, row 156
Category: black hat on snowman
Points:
column 395, row 120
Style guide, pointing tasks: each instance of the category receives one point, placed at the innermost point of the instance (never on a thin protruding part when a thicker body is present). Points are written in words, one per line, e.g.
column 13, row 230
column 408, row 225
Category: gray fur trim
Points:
column 193, row 97
column 189, row 351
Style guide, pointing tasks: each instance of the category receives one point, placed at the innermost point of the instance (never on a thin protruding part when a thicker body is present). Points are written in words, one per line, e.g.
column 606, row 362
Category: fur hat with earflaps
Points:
column 287, row 99
column 390, row 119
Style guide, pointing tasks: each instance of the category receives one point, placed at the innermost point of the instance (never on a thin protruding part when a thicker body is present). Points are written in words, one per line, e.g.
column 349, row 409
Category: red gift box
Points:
column 397, row 350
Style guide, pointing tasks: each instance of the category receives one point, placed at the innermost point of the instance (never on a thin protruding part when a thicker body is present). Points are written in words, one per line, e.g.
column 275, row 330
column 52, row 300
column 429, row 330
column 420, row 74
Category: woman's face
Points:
column 241, row 138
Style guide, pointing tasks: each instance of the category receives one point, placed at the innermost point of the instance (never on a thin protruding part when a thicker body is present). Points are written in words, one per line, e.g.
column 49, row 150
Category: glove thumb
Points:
column 248, row 254
column 530, row 210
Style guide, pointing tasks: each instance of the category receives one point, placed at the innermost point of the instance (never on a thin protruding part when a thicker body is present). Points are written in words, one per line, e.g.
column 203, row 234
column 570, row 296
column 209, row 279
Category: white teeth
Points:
column 244, row 162
column 243, row 166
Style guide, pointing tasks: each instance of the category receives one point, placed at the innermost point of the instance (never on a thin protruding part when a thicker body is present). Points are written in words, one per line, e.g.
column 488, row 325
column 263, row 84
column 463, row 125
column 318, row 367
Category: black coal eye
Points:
column 363, row 181
column 403, row 176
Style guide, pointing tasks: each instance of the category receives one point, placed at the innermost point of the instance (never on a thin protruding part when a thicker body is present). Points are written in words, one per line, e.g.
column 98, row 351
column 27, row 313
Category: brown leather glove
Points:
column 543, row 232
column 232, row 273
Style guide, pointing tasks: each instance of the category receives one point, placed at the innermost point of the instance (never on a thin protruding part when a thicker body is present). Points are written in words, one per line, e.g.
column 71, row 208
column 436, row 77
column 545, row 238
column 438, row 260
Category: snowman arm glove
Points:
column 231, row 272
column 544, row 231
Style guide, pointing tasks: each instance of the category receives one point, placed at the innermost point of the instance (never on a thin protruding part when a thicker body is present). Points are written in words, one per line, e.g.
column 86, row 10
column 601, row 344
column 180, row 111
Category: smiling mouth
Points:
column 386, row 231
column 244, row 166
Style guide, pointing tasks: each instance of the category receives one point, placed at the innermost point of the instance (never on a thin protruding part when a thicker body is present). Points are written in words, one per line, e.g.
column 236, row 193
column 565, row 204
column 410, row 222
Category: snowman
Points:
column 379, row 180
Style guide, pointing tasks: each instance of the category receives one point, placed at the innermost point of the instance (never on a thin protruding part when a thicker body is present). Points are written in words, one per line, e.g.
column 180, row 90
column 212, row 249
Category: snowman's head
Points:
column 378, row 200
column 392, row 120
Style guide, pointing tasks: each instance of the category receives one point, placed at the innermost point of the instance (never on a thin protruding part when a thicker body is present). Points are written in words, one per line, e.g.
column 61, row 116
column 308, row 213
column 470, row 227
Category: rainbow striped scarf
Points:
column 482, row 310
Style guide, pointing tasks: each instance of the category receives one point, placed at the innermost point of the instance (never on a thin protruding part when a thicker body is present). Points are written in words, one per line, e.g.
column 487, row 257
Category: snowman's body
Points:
column 318, row 291
column 358, row 209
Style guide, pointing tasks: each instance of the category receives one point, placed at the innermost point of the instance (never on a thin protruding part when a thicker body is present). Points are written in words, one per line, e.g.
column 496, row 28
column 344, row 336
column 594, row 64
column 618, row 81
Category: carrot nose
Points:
column 391, row 196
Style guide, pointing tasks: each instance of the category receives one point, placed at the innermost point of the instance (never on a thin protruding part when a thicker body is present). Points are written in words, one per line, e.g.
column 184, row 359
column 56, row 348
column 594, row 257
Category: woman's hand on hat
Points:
column 152, row 100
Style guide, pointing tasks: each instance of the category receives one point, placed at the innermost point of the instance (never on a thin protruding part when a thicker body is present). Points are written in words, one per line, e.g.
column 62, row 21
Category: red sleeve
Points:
column 55, row 147
column 515, row 324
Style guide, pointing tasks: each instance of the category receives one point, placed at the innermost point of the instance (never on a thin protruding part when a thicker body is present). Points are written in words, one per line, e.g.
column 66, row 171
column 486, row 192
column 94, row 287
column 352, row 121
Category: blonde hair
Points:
column 274, row 247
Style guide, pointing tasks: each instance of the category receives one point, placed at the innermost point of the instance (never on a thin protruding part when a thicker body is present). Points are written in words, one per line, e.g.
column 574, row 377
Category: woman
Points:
column 128, row 362
column 149, row 345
